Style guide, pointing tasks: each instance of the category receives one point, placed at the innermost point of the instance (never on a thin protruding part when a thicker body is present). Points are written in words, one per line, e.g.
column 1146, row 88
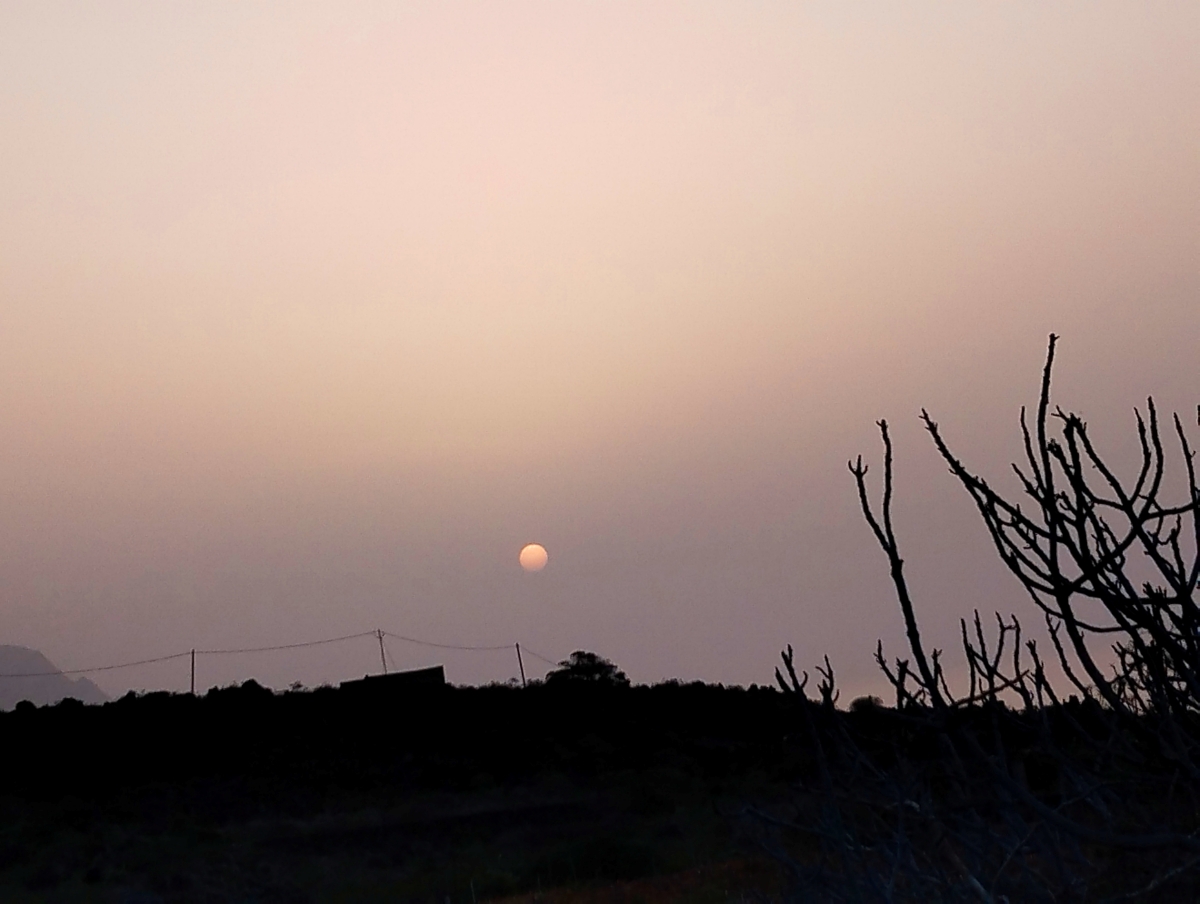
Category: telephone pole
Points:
column 193, row 671
column 520, row 664
column 382, row 658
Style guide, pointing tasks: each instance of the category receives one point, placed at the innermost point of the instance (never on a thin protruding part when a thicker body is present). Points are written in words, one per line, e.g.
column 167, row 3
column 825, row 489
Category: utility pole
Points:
column 520, row 664
column 193, row 671
column 382, row 658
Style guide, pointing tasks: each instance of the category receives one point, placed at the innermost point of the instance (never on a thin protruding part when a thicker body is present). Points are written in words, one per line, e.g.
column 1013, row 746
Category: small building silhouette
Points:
column 413, row 679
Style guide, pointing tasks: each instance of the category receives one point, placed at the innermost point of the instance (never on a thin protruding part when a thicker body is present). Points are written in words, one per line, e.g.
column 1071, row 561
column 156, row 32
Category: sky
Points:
column 312, row 315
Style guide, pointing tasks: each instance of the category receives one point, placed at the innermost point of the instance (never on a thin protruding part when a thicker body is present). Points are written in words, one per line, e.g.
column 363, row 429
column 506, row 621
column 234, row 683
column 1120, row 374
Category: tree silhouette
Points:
column 587, row 668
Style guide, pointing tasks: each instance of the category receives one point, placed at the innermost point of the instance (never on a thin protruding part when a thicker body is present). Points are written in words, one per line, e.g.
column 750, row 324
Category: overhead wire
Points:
column 537, row 655
column 99, row 668
column 445, row 646
column 287, row 646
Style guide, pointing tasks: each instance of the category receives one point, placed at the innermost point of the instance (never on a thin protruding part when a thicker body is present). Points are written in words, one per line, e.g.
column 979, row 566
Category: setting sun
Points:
column 534, row 557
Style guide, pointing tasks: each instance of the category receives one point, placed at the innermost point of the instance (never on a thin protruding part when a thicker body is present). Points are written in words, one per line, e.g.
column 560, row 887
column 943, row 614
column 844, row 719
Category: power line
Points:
column 537, row 655
column 443, row 646
column 288, row 646
column 99, row 668
column 127, row 665
column 267, row 649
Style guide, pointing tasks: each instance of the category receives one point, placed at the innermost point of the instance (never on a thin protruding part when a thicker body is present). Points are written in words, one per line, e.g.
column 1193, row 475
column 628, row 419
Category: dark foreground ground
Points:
column 555, row 794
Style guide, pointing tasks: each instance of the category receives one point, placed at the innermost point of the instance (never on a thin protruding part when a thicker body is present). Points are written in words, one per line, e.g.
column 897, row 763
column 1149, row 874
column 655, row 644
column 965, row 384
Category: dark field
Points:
column 556, row 794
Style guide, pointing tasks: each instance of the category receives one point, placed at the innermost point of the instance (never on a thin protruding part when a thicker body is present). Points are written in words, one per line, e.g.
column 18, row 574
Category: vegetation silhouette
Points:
column 1008, row 789
column 582, row 667
column 384, row 790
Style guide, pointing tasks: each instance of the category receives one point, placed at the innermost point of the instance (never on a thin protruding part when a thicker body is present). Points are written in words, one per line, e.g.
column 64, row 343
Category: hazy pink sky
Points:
column 314, row 314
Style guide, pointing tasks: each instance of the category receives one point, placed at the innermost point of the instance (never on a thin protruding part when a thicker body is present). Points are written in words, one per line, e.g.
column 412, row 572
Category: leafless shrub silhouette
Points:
column 1004, row 790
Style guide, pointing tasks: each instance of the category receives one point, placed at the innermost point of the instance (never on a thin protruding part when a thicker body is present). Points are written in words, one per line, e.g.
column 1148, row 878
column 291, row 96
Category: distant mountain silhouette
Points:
column 43, row 689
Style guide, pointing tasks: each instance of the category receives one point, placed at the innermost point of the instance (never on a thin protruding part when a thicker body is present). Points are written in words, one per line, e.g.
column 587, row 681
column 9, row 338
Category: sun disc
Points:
column 533, row 557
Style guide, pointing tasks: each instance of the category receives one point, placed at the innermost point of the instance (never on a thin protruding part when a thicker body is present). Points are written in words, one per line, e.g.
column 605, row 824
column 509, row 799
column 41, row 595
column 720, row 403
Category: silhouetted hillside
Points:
column 45, row 686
